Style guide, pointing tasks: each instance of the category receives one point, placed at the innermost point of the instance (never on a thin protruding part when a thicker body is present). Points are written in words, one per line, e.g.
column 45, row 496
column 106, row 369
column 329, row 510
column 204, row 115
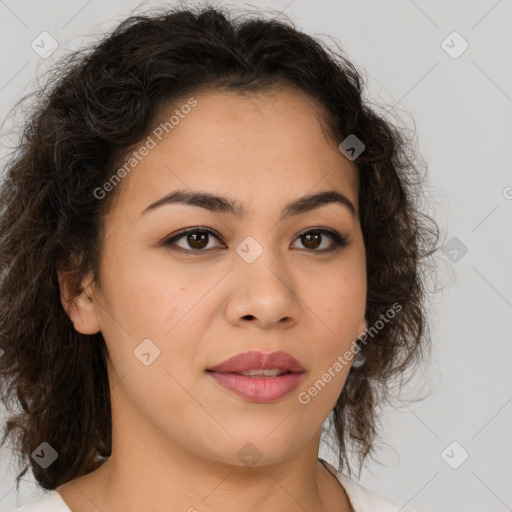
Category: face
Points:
column 184, row 287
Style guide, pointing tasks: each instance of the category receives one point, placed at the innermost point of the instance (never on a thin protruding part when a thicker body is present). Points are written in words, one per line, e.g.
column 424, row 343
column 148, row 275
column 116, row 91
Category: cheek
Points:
column 146, row 298
column 337, row 309
column 338, row 299
column 151, row 340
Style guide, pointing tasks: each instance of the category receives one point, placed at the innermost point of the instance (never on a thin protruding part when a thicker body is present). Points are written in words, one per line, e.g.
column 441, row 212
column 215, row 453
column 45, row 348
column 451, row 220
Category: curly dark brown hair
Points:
column 96, row 106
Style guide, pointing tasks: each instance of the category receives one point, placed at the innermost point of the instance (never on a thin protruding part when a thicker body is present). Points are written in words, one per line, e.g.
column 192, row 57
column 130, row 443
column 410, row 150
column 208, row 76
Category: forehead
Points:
column 249, row 146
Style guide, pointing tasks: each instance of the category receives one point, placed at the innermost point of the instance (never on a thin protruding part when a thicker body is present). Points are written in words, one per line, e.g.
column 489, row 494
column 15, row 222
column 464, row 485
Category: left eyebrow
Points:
column 222, row 204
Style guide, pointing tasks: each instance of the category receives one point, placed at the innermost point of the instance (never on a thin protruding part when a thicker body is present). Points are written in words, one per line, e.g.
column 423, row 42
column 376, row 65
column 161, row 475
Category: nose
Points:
column 264, row 293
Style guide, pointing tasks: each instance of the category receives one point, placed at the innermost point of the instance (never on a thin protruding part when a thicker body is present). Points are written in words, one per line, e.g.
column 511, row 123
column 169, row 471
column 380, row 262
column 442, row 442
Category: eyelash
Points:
column 338, row 240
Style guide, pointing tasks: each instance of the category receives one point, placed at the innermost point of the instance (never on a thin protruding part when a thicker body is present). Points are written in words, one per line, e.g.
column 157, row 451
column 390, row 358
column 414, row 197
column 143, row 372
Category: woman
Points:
column 209, row 243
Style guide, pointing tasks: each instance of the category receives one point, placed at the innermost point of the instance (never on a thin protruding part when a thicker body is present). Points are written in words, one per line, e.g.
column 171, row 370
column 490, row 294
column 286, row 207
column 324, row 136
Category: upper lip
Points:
column 255, row 360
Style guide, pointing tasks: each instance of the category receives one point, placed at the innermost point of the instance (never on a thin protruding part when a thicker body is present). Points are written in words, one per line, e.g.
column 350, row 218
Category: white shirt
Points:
column 361, row 499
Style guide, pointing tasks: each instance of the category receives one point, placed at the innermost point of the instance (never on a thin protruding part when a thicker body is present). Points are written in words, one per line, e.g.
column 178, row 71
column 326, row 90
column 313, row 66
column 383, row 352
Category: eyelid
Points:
column 340, row 240
column 171, row 239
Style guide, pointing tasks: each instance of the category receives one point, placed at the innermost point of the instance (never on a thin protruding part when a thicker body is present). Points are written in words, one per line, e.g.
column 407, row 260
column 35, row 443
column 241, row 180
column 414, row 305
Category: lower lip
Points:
column 258, row 389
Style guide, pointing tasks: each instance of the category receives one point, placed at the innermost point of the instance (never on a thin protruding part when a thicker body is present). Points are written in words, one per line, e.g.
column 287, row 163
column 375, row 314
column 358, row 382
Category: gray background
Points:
column 462, row 110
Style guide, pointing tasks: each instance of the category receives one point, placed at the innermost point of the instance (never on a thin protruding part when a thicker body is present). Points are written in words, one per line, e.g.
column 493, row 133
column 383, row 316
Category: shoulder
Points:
column 363, row 499
column 51, row 501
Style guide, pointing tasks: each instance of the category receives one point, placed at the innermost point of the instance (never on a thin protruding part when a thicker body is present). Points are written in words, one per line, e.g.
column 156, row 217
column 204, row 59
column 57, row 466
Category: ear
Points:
column 81, row 310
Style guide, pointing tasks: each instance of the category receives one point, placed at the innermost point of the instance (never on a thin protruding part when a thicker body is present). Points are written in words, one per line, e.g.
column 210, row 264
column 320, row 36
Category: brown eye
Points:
column 197, row 240
column 193, row 240
column 314, row 238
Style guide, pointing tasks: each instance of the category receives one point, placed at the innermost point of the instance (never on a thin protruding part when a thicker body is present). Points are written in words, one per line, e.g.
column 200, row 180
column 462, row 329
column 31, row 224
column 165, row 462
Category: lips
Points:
column 254, row 360
column 259, row 377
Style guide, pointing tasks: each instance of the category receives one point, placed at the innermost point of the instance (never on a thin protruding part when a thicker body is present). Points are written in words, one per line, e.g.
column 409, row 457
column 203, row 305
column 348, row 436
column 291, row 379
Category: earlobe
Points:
column 81, row 309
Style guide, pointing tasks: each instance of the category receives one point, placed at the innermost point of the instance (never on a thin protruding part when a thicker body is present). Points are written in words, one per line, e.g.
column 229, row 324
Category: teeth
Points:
column 266, row 373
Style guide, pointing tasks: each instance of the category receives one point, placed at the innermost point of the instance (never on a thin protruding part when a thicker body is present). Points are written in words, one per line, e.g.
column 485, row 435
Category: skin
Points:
column 176, row 432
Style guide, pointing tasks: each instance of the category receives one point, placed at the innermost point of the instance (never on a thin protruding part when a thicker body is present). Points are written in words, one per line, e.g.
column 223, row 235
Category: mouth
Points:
column 259, row 377
column 261, row 372
column 258, row 363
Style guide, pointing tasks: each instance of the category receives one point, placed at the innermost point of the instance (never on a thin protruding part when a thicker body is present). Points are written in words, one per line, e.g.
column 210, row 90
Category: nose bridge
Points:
column 262, row 259
column 264, row 287
column 260, row 264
